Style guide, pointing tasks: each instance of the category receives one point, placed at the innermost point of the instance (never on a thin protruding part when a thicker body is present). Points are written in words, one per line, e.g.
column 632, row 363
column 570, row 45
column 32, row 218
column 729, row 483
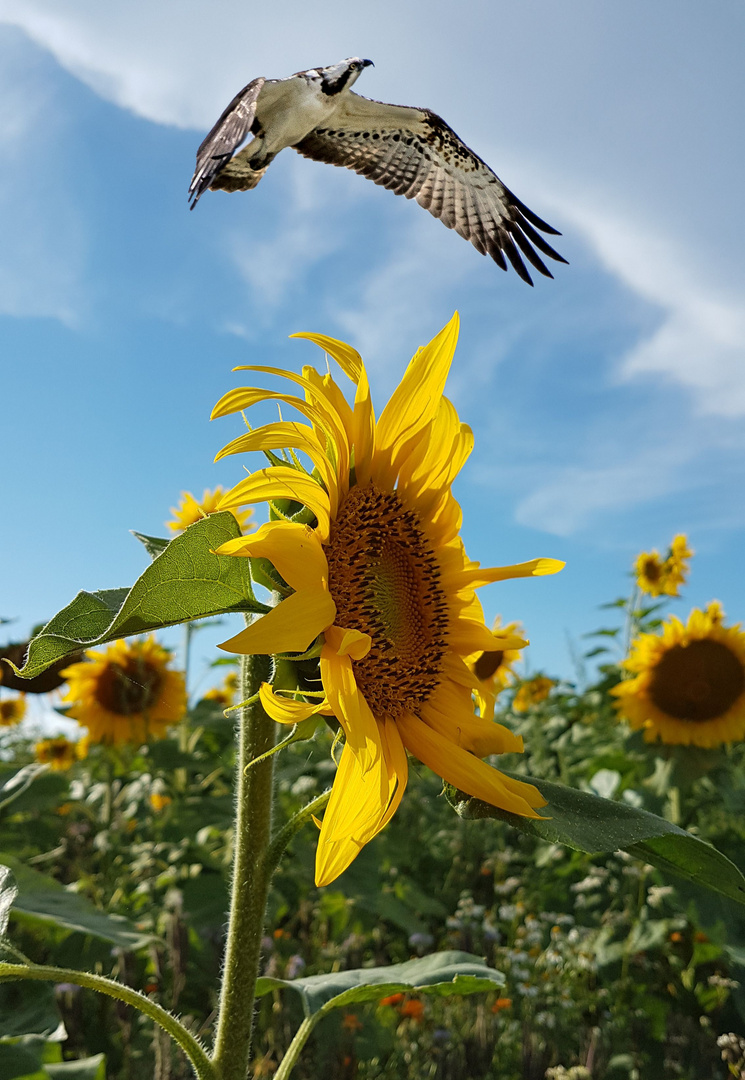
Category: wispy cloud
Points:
column 700, row 340
column 43, row 252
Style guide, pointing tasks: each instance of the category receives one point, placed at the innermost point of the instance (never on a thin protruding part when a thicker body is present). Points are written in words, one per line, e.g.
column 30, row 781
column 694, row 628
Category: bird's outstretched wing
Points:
column 225, row 138
column 415, row 153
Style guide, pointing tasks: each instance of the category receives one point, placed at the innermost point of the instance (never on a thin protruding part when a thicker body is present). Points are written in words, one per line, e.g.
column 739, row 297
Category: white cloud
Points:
column 573, row 497
column 700, row 341
column 43, row 252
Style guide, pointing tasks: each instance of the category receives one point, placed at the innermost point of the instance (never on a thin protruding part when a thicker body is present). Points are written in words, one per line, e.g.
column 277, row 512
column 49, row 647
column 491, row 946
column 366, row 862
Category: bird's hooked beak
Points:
column 365, row 63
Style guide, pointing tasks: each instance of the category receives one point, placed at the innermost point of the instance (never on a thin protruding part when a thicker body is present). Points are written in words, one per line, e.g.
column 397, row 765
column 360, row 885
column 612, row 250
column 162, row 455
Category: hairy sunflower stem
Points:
column 193, row 1049
column 250, row 882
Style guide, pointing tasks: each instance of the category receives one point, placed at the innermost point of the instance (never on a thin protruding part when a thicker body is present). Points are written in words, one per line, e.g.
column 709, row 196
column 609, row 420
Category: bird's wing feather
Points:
column 224, row 139
column 415, row 153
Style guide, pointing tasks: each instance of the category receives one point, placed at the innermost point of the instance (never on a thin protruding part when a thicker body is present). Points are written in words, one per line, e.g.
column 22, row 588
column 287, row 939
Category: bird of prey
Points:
column 411, row 151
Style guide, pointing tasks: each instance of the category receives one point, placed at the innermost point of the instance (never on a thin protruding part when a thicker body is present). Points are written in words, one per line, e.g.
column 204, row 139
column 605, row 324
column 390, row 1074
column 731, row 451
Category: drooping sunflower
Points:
column 656, row 576
column 12, row 711
column 126, row 693
column 189, row 510
column 687, row 683
column 60, row 752
column 376, row 570
column 532, row 692
column 494, row 670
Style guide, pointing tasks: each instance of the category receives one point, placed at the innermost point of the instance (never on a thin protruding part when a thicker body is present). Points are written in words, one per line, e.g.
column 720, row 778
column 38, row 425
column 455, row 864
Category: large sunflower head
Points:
column 126, row 693
column 190, row 511
column 686, row 684
column 373, row 572
column 656, row 576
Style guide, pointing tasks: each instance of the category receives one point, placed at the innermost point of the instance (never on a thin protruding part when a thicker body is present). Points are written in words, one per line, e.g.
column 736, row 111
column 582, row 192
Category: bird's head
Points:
column 337, row 77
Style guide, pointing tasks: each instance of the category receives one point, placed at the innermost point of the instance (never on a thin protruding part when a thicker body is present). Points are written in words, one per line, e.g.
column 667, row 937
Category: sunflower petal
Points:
column 293, row 549
column 286, row 710
column 289, row 627
column 348, row 359
column 350, row 708
column 466, row 772
column 474, row 578
column 282, row 482
column 414, row 402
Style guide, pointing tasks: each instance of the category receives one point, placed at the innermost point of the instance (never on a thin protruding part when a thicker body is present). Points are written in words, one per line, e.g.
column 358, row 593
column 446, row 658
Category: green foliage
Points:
column 444, row 974
column 186, row 581
column 588, row 823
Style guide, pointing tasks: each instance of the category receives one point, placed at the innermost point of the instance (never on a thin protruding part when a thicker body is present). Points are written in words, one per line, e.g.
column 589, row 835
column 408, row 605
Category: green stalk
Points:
column 250, row 883
column 297, row 1044
column 193, row 1049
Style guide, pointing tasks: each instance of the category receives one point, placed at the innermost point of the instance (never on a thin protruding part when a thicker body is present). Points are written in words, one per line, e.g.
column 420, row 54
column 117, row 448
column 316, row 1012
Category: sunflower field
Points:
column 376, row 847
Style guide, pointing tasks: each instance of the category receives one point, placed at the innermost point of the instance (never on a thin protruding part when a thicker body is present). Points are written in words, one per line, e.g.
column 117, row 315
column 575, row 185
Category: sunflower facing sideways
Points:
column 687, row 683
column 374, row 571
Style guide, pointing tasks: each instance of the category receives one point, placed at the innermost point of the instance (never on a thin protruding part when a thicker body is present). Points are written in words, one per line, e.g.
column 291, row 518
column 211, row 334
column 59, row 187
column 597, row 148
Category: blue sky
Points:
column 608, row 405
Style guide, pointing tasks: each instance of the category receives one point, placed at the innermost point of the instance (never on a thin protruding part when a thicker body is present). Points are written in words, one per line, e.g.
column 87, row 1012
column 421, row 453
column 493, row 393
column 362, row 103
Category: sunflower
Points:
column 494, row 670
column 224, row 695
column 532, row 692
column 373, row 569
column 656, row 576
column 189, row 510
column 687, row 683
column 12, row 711
column 60, row 753
column 126, row 693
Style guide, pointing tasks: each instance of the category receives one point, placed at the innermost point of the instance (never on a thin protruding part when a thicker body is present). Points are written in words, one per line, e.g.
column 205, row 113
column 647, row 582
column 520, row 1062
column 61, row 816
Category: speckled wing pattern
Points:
column 413, row 152
column 220, row 144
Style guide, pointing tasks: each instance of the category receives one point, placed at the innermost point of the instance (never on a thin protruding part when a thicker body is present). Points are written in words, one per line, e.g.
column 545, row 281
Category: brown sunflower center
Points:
column 385, row 581
column 697, row 682
column 130, row 688
column 487, row 664
column 652, row 569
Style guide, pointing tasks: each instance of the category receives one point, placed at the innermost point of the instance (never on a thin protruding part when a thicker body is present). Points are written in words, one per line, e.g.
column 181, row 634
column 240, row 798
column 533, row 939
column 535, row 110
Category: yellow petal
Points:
column 352, row 643
column 282, row 482
column 350, row 707
column 468, row 636
column 485, row 575
column 289, row 627
column 293, row 549
column 348, row 359
column 286, row 710
column 466, row 772
column 475, row 734
column 282, row 434
column 414, row 402
column 360, row 805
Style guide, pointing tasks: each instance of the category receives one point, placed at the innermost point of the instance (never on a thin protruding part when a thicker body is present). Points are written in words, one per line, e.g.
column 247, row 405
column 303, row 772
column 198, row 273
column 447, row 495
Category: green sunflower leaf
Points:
column 442, row 974
column 596, row 825
column 42, row 901
column 186, row 581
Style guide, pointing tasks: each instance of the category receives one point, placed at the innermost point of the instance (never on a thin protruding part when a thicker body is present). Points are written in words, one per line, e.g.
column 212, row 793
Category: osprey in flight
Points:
column 411, row 151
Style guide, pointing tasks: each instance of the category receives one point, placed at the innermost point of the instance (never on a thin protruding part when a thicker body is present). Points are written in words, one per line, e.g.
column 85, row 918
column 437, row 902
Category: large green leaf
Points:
column 589, row 823
column 187, row 581
column 440, row 974
column 42, row 899
column 92, row 1068
column 28, row 1008
column 20, row 1062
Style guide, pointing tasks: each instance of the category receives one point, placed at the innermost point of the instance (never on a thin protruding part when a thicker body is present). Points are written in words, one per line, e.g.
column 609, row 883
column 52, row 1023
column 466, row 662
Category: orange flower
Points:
column 501, row 1003
column 352, row 1022
column 393, row 999
column 413, row 1008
